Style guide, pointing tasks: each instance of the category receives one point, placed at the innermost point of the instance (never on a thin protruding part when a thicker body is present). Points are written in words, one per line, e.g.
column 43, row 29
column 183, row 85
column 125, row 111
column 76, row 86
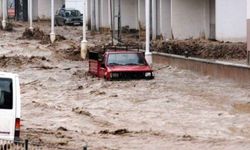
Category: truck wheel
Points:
column 105, row 78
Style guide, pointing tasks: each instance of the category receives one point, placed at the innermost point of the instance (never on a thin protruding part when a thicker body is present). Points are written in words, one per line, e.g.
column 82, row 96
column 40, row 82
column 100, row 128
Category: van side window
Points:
column 6, row 94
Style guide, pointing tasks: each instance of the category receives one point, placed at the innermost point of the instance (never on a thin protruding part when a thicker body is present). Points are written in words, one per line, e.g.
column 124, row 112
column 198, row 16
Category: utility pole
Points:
column 4, row 13
column 84, row 40
column 52, row 34
column 248, row 32
column 30, row 15
column 148, row 54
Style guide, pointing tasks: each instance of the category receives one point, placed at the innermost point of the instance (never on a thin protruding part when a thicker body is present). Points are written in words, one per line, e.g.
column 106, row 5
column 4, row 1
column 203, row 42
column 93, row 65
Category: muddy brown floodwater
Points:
column 64, row 108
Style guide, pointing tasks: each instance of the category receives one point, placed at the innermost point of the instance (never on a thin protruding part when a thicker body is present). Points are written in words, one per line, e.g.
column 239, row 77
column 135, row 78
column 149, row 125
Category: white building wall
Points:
column 34, row 9
column 88, row 11
column 141, row 12
column 1, row 7
column 44, row 8
column 129, row 12
column 105, row 14
column 164, row 18
column 212, row 19
column 190, row 19
column 75, row 4
column 231, row 20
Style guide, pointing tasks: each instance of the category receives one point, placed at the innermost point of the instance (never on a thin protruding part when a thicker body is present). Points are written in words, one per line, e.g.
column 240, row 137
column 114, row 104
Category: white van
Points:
column 10, row 106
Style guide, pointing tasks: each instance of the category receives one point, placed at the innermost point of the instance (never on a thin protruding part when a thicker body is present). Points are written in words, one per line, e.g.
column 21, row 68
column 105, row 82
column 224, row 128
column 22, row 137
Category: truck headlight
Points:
column 148, row 74
column 114, row 75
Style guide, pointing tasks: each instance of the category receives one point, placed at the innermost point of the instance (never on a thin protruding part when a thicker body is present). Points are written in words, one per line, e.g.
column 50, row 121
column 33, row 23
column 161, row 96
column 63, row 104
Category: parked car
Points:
column 10, row 106
column 68, row 17
column 119, row 64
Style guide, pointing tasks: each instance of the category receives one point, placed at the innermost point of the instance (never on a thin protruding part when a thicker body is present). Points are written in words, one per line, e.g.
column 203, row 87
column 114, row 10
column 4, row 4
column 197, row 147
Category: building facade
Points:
column 179, row 19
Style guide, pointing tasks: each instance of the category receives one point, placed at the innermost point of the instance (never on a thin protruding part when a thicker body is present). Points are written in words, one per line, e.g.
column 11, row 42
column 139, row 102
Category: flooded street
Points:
column 64, row 108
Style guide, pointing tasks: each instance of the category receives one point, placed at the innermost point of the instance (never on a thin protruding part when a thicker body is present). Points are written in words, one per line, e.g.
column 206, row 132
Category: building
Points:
column 41, row 8
column 179, row 19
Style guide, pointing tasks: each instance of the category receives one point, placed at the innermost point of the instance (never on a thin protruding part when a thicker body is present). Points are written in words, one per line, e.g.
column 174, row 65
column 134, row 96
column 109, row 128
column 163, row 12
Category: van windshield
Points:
column 6, row 94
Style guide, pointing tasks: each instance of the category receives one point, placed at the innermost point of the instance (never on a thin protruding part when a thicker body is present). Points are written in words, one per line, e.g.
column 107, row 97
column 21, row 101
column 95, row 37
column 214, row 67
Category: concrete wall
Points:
column 212, row 19
column 89, row 11
column 190, row 18
column 141, row 12
column 1, row 7
column 129, row 12
column 44, row 7
column 231, row 20
column 75, row 4
column 34, row 9
column 105, row 14
column 164, row 18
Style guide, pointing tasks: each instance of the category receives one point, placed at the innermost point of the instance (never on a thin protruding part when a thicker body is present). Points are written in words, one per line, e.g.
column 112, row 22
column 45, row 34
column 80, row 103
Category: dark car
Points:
column 68, row 16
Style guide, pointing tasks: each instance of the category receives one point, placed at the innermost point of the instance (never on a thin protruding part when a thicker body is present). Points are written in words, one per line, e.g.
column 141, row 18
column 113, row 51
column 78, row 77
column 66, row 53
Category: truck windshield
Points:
column 125, row 59
column 6, row 93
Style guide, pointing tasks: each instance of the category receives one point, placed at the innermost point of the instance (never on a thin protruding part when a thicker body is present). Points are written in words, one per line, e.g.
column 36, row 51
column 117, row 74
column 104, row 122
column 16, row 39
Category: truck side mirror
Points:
column 100, row 58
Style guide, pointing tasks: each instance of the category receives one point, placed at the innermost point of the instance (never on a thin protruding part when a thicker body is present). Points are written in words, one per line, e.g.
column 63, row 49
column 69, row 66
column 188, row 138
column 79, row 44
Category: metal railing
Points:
column 23, row 145
column 18, row 145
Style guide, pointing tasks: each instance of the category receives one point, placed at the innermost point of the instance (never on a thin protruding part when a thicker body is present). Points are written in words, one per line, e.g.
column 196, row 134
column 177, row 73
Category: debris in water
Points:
column 116, row 132
column 202, row 48
column 37, row 34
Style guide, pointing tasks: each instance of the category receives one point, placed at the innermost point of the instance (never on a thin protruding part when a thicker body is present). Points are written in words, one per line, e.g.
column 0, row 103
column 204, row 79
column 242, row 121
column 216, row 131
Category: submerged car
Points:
column 119, row 64
column 68, row 17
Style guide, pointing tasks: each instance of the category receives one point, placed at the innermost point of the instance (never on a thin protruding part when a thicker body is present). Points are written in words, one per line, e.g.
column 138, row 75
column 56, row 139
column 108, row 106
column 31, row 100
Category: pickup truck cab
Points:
column 10, row 106
column 119, row 64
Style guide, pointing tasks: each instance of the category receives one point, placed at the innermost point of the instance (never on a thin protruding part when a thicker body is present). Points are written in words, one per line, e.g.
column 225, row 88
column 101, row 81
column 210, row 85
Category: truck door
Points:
column 102, row 70
column 7, row 109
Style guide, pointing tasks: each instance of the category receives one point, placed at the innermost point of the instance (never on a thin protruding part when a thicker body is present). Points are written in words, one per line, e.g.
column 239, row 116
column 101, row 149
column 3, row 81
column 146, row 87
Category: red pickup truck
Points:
column 119, row 64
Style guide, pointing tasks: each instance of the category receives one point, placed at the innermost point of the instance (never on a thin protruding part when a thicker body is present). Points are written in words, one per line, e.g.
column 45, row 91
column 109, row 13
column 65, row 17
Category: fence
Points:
column 20, row 145
column 23, row 145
